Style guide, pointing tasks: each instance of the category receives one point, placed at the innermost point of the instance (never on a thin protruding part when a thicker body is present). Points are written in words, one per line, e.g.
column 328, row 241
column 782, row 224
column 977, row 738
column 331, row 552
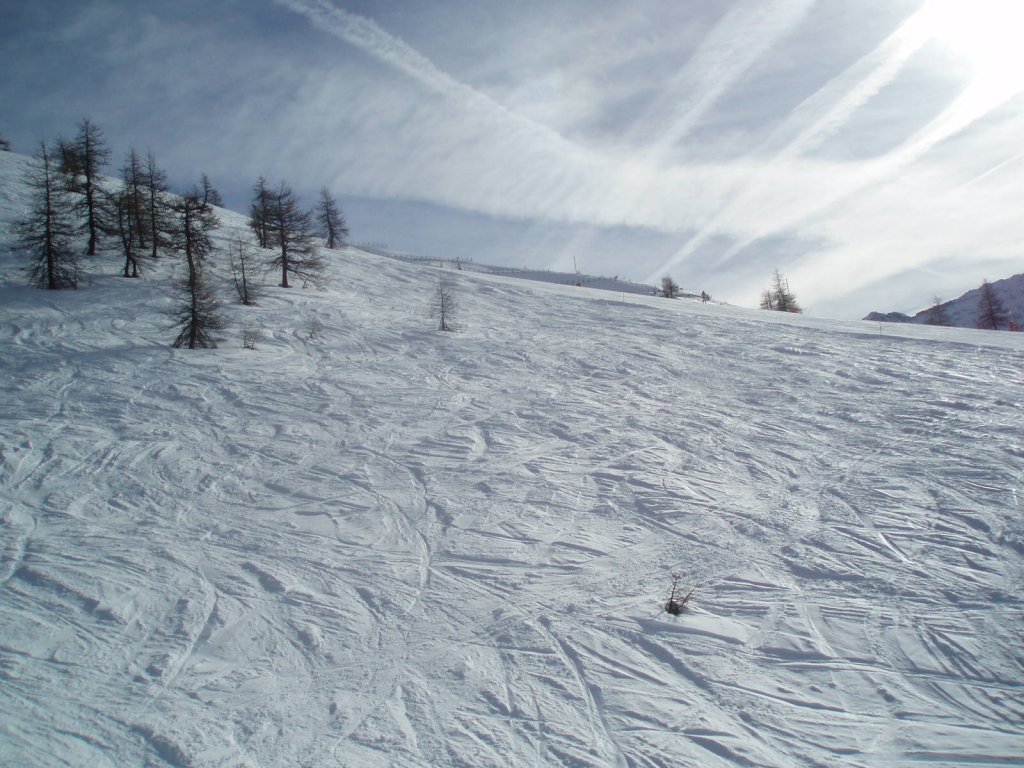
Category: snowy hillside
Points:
column 388, row 546
column 963, row 312
column 541, row 275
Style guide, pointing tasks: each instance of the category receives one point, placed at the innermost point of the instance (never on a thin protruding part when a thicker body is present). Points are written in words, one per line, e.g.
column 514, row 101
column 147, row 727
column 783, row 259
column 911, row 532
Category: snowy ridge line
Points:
column 526, row 273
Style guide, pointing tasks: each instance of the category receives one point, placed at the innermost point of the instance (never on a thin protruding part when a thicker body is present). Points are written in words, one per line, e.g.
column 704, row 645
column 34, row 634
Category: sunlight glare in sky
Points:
column 985, row 34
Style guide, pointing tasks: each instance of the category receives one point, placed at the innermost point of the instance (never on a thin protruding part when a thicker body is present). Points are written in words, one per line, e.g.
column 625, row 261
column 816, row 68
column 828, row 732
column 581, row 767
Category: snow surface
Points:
column 542, row 275
column 388, row 546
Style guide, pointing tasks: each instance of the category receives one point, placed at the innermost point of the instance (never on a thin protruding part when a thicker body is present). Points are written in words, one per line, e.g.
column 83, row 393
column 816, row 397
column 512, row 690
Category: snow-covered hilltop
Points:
column 966, row 311
column 614, row 284
column 369, row 543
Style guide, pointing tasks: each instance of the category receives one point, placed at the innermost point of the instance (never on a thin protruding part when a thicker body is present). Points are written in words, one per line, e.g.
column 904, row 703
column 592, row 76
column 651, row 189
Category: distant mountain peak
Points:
column 964, row 311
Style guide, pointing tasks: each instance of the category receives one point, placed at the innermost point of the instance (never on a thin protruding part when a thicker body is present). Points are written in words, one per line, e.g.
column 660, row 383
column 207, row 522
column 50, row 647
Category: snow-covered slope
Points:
column 387, row 546
column 614, row 284
column 963, row 312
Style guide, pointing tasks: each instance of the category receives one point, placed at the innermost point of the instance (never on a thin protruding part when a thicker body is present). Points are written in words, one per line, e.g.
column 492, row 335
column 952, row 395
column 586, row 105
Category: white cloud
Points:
column 599, row 122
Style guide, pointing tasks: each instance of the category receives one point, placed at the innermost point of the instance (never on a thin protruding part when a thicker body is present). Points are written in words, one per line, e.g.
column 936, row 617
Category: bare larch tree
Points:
column 444, row 306
column 160, row 219
column 258, row 212
column 288, row 228
column 779, row 297
column 92, row 155
column 244, row 270
column 45, row 234
column 991, row 313
column 669, row 288
column 197, row 316
column 330, row 223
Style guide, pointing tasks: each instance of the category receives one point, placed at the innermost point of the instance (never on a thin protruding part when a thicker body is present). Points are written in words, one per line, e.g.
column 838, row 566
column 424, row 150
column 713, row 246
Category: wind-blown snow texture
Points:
column 388, row 546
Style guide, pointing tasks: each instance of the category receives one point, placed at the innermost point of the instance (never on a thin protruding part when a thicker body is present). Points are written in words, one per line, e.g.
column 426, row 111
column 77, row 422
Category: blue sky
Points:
column 871, row 149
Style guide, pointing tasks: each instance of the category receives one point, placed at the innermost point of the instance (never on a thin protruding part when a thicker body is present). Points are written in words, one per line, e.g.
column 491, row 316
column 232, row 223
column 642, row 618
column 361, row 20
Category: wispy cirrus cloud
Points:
column 842, row 142
column 746, row 33
column 797, row 195
column 369, row 37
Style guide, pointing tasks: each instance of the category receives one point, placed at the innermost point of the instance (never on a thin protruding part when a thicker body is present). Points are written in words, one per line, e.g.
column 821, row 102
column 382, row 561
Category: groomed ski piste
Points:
column 390, row 546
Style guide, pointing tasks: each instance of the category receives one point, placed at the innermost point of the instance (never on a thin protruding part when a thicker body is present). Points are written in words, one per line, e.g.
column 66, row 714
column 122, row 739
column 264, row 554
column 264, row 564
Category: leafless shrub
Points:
column 314, row 328
column 675, row 603
column 251, row 335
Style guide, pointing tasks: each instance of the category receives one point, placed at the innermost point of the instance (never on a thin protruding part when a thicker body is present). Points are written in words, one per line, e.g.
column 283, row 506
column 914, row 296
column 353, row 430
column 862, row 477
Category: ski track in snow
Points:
column 393, row 547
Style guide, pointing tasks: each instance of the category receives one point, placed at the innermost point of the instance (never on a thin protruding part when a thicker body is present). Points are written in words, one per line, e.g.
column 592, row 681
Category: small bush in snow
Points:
column 675, row 603
column 314, row 329
column 251, row 336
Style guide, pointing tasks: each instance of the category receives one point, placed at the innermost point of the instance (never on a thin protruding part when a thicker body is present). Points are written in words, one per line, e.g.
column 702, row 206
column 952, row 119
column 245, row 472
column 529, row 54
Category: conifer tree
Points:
column 198, row 314
column 991, row 313
column 45, row 234
column 133, row 198
column 288, row 234
column 92, row 155
column 210, row 194
column 445, row 306
column 124, row 211
column 937, row 314
column 69, row 165
column 330, row 223
column 669, row 288
column 157, row 212
column 258, row 212
column 243, row 265
column 779, row 297
column 5, row 145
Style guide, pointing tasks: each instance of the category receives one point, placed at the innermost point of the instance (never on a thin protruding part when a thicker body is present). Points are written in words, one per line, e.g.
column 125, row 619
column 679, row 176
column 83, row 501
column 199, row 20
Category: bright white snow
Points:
column 389, row 546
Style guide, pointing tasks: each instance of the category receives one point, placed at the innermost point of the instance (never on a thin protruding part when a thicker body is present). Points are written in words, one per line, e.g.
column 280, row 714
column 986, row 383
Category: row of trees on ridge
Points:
column 70, row 201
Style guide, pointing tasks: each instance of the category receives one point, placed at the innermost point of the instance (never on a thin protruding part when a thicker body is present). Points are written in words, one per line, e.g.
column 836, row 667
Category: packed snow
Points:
column 382, row 545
